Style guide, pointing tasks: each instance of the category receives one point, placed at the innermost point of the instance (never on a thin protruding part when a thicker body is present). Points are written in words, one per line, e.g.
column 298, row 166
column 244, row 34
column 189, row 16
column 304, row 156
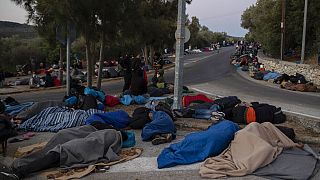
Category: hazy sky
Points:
column 218, row 15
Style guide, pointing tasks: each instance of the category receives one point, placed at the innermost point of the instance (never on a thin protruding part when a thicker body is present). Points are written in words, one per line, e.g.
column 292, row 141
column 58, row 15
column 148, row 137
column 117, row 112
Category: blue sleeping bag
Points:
column 161, row 124
column 199, row 145
column 117, row 119
column 271, row 75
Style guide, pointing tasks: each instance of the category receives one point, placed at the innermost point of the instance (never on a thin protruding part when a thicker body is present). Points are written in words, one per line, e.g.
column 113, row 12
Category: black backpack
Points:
column 87, row 102
column 140, row 117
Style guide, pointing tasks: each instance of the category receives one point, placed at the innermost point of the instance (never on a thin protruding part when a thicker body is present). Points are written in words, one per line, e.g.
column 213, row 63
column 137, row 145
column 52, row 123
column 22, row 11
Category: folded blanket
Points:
column 199, row 145
column 255, row 146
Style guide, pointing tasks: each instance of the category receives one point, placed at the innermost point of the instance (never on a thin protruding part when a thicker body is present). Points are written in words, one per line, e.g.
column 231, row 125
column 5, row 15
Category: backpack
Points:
column 165, row 108
column 140, row 117
column 88, row 102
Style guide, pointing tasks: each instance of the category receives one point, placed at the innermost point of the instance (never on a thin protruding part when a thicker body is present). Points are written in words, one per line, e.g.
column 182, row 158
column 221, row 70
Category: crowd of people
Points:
column 87, row 134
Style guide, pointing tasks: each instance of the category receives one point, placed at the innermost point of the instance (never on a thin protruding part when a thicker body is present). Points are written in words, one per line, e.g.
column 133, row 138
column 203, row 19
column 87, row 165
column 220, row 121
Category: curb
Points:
column 60, row 87
column 200, row 125
column 264, row 83
column 311, row 123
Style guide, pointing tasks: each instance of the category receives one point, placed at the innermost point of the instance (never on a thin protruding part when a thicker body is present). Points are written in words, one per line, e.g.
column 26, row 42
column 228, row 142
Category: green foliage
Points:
column 263, row 22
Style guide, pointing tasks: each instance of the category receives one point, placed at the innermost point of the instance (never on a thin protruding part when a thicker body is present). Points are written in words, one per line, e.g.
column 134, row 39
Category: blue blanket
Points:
column 117, row 119
column 54, row 119
column 14, row 110
column 271, row 75
column 199, row 145
column 161, row 124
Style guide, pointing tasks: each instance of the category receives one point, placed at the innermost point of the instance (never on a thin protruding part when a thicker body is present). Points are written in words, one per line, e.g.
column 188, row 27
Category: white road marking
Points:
column 147, row 164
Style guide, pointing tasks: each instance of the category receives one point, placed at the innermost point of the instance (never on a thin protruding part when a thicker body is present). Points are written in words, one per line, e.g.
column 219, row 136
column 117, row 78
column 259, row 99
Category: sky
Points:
column 218, row 15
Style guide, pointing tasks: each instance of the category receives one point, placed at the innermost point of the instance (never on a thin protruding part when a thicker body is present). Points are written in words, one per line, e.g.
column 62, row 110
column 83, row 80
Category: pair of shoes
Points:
column 161, row 139
column 6, row 173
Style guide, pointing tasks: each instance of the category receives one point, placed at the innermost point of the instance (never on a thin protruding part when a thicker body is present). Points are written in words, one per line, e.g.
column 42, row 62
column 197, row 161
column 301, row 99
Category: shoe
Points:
column 168, row 137
column 161, row 139
column 217, row 115
column 177, row 113
column 158, row 140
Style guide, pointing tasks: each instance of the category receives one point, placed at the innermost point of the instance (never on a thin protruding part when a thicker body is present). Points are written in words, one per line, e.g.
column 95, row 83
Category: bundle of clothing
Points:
column 233, row 109
column 295, row 83
column 90, row 98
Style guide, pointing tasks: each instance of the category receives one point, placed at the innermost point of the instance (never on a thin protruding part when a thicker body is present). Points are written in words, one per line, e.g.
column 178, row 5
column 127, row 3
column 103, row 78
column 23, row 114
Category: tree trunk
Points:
column 89, row 64
column 145, row 54
column 151, row 55
column 100, row 62
column 61, row 65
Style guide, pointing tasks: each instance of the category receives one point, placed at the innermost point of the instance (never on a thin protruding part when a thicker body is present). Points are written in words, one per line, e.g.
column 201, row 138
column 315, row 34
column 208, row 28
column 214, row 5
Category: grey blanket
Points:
column 79, row 147
column 290, row 164
column 36, row 108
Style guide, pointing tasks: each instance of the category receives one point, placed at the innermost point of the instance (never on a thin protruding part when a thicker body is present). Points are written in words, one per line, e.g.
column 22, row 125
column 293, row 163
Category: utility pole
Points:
column 68, row 60
column 180, row 40
column 304, row 31
column 283, row 28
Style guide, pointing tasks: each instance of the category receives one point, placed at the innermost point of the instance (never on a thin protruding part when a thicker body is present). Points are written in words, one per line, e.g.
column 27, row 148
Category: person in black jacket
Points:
column 126, row 65
column 138, row 84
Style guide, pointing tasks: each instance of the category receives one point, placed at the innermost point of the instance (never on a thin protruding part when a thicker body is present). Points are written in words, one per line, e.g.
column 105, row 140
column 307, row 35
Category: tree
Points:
column 263, row 22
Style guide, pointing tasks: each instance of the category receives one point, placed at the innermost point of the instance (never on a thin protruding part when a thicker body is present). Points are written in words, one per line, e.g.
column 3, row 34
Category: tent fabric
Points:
column 161, row 124
column 253, row 147
column 199, row 145
column 54, row 119
column 117, row 119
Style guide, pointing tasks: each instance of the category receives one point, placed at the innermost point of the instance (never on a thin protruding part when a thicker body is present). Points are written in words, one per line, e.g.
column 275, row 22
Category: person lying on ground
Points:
column 160, row 130
column 91, row 143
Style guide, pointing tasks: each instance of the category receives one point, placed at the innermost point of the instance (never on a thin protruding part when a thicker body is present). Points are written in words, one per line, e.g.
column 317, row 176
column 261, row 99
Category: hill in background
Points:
column 9, row 29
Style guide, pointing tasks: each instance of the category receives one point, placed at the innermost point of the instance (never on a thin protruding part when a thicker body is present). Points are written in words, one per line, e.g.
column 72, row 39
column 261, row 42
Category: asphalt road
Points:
column 212, row 73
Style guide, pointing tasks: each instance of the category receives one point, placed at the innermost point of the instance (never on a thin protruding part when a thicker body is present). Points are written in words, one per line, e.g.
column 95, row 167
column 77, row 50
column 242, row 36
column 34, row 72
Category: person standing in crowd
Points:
column 48, row 80
column 126, row 65
column 158, row 61
column 138, row 83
